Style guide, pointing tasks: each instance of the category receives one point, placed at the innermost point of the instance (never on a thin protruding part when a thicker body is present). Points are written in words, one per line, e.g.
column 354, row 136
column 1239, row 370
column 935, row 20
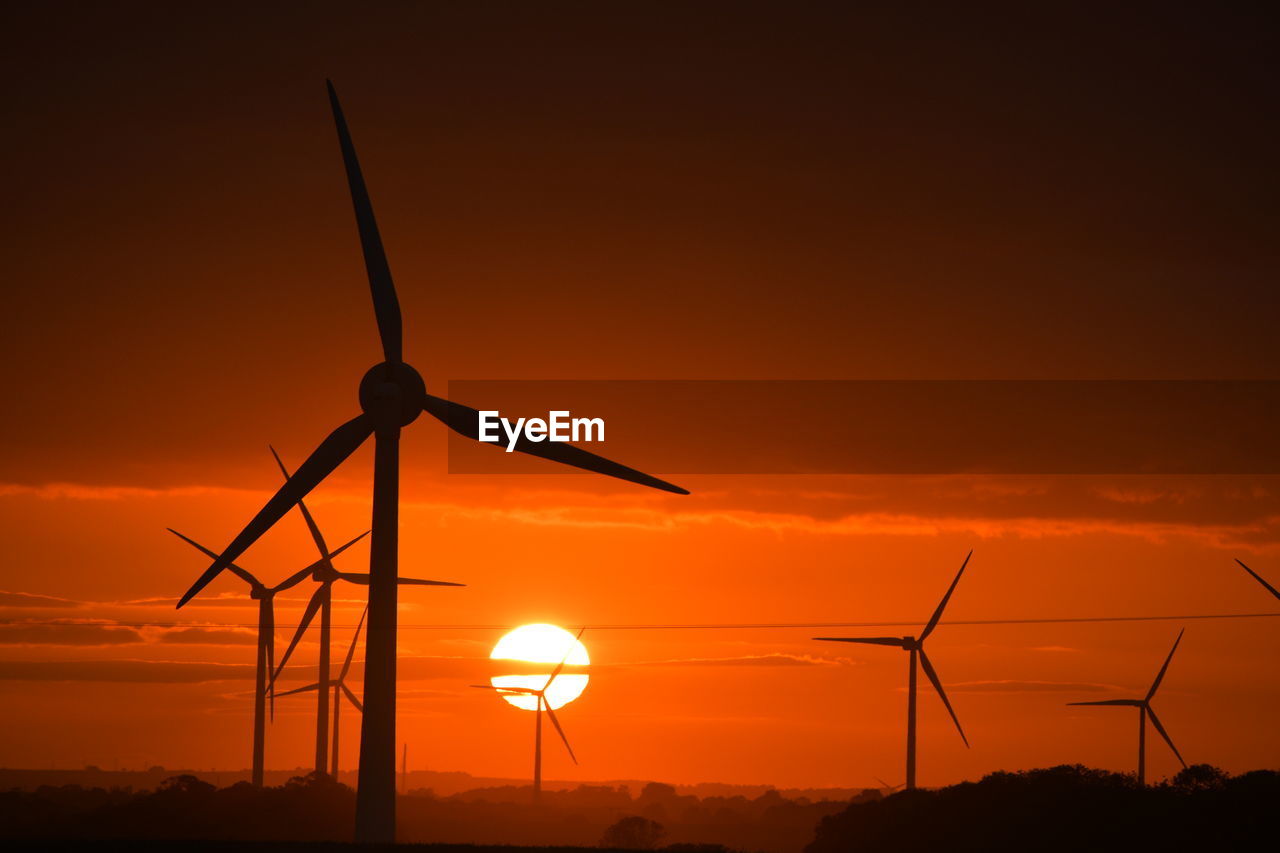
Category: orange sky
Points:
column 641, row 195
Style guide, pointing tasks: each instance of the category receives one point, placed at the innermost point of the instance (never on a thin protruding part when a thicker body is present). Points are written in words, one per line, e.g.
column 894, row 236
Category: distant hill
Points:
column 442, row 783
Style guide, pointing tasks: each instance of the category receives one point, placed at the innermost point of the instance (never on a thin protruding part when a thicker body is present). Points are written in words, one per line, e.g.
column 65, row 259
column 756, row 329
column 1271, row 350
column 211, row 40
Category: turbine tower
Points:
column 265, row 596
column 322, row 600
column 340, row 691
column 1145, row 711
column 392, row 395
column 541, row 703
column 915, row 646
column 1271, row 589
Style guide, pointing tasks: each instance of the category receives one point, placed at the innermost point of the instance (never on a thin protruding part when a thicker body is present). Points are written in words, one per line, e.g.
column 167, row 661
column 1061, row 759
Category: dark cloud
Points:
column 1014, row 686
column 134, row 671
column 22, row 634
column 28, row 599
column 209, row 636
column 772, row 659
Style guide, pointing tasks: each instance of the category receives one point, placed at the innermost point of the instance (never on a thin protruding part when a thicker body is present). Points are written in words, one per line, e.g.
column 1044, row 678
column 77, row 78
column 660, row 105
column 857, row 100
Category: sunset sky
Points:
column 631, row 191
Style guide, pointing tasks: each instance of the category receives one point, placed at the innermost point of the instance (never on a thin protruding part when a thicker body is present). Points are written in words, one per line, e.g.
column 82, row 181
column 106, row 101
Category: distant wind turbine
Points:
column 392, row 395
column 1144, row 711
column 322, row 601
column 265, row 596
column 542, row 703
column 340, row 691
column 886, row 789
column 1271, row 589
column 915, row 646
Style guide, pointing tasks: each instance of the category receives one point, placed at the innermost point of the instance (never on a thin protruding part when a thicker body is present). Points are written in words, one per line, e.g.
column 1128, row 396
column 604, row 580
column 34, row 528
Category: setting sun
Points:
column 541, row 643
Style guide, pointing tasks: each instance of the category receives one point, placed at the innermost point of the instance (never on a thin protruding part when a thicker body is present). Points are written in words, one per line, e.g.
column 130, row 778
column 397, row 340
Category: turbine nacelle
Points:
column 393, row 387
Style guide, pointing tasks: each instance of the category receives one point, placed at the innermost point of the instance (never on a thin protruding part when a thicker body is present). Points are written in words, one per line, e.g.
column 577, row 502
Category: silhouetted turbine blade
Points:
column 465, row 421
column 313, row 607
column 552, row 716
column 362, row 578
column 351, row 697
column 1155, row 721
column 386, row 307
column 870, row 641
column 942, row 694
column 523, row 691
column 351, row 649
column 565, row 660
column 1160, row 675
column 331, row 453
column 306, row 689
column 1128, row 703
column 243, row 574
column 1271, row 589
column 316, row 535
column 942, row 605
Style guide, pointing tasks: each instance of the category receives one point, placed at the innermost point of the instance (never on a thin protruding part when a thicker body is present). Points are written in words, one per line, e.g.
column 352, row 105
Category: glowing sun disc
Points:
column 541, row 643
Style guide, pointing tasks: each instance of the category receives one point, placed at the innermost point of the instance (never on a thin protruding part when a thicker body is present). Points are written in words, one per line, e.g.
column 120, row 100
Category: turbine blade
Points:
column 937, row 685
column 243, row 574
column 306, row 689
column 313, row 607
column 551, row 715
column 1155, row 721
column 351, row 649
column 351, row 697
column 465, row 421
column 386, row 307
column 524, row 691
column 1271, row 589
column 316, row 535
column 870, row 641
column 301, row 575
column 942, row 605
column 362, row 578
column 1128, row 703
column 565, row 660
column 1160, row 675
column 340, row 444
column 421, row 582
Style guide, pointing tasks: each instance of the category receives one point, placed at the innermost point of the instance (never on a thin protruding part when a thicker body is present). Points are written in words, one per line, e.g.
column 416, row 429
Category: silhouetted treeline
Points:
column 1068, row 808
column 315, row 808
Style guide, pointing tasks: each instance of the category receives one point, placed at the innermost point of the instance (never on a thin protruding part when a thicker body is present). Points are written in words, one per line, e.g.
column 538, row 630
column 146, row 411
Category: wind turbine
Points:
column 541, row 697
column 1144, row 711
column 392, row 395
column 1271, row 589
column 915, row 645
column 886, row 789
column 322, row 600
column 340, row 690
column 265, row 596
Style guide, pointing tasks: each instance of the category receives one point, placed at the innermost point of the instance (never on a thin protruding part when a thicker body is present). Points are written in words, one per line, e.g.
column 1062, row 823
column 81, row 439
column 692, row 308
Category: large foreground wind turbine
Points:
column 915, row 645
column 322, row 600
column 541, row 696
column 265, row 596
column 1271, row 589
column 392, row 395
column 340, row 691
column 1144, row 711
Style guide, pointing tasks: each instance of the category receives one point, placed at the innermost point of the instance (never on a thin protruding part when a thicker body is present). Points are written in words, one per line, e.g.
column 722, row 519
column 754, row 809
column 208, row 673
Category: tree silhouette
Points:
column 633, row 833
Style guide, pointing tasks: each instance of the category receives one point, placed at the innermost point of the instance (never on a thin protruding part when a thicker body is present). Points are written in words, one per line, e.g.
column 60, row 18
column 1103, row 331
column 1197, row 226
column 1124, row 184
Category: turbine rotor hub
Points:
column 392, row 391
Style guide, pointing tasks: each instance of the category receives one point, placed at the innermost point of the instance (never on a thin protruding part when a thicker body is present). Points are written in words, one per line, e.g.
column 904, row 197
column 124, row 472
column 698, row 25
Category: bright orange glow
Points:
column 542, row 643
